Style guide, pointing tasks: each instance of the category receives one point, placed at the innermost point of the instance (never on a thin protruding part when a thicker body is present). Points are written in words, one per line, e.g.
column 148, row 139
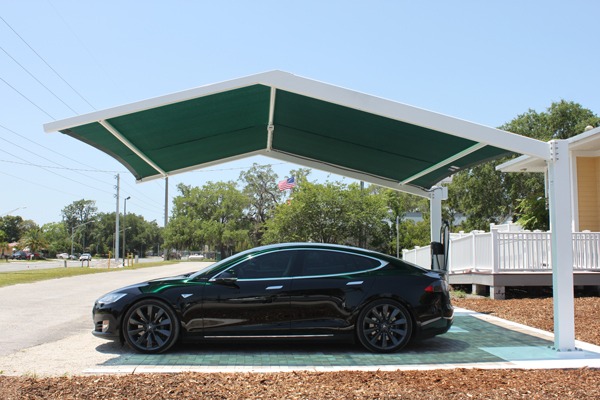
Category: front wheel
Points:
column 150, row 326
column 384, row 326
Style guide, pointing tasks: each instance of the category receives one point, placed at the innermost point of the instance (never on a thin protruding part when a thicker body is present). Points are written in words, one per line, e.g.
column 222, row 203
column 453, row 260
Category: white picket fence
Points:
column 509, row 250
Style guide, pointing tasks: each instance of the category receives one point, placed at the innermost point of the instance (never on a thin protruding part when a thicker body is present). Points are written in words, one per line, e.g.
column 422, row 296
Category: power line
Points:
column 142, row 196
column 47, row 170
column 59, row 167
column 47, row 159
column 37, row 184
column 37, row 80
column 27, row 98
column 48, row 65
column 53, row 151
column 65, row 22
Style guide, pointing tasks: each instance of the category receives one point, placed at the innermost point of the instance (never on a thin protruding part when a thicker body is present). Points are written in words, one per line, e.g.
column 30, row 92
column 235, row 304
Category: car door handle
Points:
column 275, row 287
column 354, row 283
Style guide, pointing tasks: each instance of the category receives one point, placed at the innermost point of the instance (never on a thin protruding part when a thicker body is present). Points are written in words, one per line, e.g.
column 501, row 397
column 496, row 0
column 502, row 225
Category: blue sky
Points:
column 482, row 61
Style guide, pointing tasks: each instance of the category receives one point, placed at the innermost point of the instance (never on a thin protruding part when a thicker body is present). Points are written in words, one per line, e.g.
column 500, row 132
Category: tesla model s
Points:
column 283, row 291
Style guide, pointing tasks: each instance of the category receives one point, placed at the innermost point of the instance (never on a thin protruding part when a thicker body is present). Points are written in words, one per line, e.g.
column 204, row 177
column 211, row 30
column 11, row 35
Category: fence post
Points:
column 473, row 251
column 495, row 251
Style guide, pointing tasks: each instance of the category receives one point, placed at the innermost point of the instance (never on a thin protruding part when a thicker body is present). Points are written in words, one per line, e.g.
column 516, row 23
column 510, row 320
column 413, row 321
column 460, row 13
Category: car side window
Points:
column 324, row 262
column 266, row 266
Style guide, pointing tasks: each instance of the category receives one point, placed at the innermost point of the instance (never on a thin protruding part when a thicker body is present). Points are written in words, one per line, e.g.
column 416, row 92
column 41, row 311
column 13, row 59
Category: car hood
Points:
column 156, row 285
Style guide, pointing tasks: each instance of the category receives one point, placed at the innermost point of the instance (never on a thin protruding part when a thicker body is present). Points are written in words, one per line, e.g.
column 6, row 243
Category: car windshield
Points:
column 216, row 266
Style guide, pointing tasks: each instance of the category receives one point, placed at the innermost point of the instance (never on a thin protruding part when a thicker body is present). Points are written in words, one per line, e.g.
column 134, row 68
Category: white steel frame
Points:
column 557, row 157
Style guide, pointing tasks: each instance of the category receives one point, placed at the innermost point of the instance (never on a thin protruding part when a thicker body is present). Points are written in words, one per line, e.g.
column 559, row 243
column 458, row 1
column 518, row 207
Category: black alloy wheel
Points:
column 150, row 326
column 384, row 326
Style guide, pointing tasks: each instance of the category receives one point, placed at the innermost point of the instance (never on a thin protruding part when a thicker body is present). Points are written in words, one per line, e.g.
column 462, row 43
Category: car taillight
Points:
column 431, row 289
column 437, row 287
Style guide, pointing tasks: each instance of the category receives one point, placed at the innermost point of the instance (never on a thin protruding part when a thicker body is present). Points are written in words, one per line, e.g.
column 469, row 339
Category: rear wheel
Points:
column 384, row 326
column 150, row 326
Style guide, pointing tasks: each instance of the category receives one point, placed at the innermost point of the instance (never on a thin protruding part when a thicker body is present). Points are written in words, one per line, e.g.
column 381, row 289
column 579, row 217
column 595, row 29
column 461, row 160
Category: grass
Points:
column 459, row 294
column 29, row 276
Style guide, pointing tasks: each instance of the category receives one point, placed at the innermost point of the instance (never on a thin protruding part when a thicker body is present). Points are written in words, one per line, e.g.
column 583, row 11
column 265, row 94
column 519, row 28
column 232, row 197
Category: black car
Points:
column 20, row 255
column 293, row 291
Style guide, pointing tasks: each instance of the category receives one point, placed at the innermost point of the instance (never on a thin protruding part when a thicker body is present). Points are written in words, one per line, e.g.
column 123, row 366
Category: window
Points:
column 325, row 262
column 265, row 266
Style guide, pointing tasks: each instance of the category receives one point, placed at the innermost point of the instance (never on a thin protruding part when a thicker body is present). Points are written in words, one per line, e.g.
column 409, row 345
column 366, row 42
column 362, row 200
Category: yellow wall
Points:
column 588, row 193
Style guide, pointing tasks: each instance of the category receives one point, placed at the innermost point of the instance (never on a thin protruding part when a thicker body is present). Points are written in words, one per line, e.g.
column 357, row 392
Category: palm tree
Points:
column 3, row 243
column 34, row 239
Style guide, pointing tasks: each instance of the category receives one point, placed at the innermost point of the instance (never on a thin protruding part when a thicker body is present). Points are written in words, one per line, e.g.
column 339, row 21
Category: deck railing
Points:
column 510, row 251
column 419, row 255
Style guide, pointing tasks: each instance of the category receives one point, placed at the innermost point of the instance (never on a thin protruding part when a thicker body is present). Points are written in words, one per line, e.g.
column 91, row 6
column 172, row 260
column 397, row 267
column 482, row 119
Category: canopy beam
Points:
column 271, row 126
column 130, row 146
column 447, row 161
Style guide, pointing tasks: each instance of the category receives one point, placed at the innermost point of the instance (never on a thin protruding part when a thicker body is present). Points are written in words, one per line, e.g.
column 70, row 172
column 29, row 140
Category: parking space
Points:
column 63, row 344
column 475, row 341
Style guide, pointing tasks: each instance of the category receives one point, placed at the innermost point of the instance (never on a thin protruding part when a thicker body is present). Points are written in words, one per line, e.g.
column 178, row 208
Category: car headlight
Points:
column 110, row 298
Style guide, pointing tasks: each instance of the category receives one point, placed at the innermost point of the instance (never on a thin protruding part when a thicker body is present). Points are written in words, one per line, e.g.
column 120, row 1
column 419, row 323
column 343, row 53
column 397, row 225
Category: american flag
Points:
column 287, row 184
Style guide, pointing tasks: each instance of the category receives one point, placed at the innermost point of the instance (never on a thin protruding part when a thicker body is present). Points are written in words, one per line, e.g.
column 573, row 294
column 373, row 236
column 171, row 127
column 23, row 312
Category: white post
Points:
column 559, row 174
column 438, row 193
column 495, row 248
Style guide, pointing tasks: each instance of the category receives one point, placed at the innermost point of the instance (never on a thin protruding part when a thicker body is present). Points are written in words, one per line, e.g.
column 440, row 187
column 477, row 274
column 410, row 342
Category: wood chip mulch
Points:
column 539, row 313
column 435, row 384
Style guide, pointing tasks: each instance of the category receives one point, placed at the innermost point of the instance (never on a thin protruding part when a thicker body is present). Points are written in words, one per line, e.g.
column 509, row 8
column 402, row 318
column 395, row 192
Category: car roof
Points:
column 312, row 245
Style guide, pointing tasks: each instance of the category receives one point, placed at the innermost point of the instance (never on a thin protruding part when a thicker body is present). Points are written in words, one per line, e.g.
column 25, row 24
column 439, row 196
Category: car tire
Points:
column 384, row 326
column 150, row 326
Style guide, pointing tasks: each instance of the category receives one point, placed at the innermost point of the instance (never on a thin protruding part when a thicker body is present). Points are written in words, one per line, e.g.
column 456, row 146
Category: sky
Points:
column 481, row 61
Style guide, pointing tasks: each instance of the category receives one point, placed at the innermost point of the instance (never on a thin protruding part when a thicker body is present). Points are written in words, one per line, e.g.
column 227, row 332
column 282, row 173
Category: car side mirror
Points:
column 226, row 278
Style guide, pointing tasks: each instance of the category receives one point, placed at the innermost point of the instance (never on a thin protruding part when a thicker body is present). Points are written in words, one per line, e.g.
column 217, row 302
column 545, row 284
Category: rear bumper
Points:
column 438, row 325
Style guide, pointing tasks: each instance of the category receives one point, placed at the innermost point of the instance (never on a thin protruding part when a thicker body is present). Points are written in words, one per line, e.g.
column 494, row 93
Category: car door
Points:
column 251, row 298
column 328, row 289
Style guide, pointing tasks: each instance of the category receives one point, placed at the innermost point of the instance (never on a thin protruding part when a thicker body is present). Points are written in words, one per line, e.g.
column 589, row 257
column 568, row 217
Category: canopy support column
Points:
column 559, row 174
column 438, row 193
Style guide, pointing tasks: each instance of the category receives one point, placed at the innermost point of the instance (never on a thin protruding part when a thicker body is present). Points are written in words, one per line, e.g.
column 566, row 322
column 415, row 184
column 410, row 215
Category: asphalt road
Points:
column 54, row 316
column 21, row 265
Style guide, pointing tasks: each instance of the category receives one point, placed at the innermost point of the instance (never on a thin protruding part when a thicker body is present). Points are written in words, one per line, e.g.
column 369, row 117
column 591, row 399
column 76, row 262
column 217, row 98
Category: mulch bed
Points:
column 446, row 384
column 539, row 313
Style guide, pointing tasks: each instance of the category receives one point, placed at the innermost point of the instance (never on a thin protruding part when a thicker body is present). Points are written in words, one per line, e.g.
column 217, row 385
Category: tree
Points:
column 78, row 217
column 35, row 240
column 57, row 237
column 212, row 215
column 411, row 232
column 263, row 194
column 368, row 223
column 485, row 195
column 142, row 235
column 300, row 176
column 480, row 193
column 330, row 213
column 314, row 214
column 12, row 226
column 102, row 235
column 566, row 119
column 3, row 243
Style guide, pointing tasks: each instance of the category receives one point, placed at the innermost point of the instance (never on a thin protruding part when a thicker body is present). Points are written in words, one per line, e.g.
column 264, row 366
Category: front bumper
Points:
column 106, row 324
column 105, row 328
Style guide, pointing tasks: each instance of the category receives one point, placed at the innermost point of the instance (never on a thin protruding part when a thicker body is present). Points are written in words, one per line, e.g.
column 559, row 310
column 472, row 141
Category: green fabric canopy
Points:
column 291, row 118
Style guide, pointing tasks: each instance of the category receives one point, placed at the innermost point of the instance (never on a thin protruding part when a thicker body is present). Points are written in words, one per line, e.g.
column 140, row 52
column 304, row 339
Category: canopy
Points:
column 310, row 123
column 295, row 119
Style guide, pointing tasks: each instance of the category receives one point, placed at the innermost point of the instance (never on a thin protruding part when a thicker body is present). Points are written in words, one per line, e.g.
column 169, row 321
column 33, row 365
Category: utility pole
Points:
column 117, row 233
column 124, row 226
